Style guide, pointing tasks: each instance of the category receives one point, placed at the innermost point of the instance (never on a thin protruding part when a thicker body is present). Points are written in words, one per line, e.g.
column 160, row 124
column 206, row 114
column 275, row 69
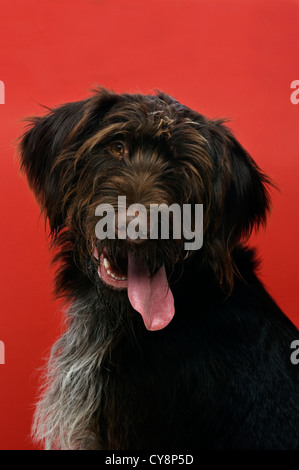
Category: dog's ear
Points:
column 63, row 129
column 239, row 200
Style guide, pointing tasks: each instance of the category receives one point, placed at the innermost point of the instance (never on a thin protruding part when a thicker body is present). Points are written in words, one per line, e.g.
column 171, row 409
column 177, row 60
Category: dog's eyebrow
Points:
column 90, row 143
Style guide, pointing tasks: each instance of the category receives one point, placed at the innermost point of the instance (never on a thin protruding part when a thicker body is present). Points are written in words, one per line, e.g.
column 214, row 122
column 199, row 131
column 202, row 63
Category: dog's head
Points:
column 150, row 150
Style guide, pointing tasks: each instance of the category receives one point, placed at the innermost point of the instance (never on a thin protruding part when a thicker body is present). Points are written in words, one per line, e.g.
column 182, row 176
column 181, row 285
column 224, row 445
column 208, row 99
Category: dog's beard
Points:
column 148, row 292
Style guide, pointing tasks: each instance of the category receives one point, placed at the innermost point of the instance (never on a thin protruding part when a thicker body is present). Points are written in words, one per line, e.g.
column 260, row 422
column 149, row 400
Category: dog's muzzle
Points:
column 150, row 295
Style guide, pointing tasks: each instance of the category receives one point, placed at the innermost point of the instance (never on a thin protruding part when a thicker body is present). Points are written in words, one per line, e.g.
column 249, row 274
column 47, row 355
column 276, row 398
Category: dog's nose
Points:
column 133, row 228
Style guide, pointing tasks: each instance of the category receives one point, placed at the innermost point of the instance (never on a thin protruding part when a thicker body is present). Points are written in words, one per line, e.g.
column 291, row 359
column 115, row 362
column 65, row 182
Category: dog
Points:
column 164, row 347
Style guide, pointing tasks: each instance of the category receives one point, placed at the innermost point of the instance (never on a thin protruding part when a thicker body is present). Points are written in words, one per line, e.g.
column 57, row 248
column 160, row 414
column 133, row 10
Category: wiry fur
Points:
column 219, row 375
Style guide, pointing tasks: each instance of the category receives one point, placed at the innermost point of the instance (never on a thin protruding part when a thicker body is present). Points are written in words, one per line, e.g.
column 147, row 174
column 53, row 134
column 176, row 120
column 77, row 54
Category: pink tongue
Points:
column 151, row 297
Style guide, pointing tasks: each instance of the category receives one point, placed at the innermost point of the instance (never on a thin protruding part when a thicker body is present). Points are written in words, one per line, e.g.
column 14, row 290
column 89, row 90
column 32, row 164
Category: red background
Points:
column 223, row 58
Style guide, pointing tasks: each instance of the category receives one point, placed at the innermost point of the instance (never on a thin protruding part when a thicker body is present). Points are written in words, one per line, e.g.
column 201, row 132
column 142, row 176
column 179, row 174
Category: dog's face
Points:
column 151, row 150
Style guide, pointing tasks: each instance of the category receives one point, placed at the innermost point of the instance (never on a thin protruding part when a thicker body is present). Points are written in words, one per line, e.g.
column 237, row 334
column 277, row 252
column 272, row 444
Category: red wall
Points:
column 224, row 58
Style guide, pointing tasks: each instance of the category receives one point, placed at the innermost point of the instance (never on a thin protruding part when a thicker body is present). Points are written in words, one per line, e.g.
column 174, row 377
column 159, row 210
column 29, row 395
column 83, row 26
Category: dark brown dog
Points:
column 164, row 348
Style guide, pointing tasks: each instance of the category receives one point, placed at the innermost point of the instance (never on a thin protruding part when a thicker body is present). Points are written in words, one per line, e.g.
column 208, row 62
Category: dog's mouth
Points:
column 148, row 293
column 114, row 274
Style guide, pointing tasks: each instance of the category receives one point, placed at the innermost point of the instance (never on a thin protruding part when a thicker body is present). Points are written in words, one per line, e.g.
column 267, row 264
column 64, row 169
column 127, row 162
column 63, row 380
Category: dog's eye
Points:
column 117, row 149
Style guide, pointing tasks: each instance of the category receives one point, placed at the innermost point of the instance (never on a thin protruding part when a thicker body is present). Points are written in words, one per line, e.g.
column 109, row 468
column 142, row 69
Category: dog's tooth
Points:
column 110, row 273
